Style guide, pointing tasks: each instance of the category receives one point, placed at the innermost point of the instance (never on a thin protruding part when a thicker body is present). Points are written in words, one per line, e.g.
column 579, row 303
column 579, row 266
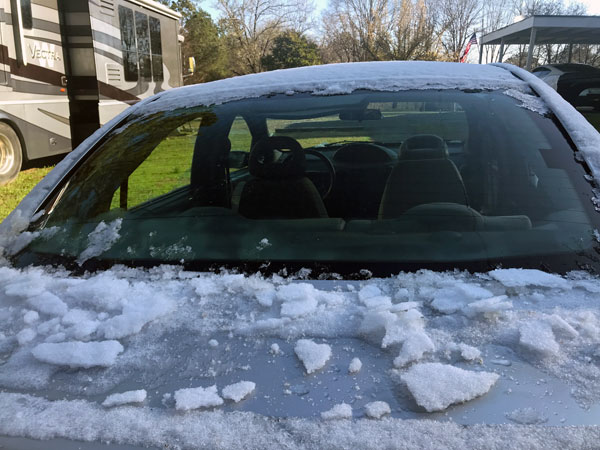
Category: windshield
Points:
column 383, row 181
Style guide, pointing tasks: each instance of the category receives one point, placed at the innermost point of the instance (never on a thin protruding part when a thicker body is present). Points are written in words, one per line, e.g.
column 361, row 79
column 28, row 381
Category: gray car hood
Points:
column 512, row 354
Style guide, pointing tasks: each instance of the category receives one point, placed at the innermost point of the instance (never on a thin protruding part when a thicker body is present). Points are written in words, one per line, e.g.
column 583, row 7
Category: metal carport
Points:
column 537, row 30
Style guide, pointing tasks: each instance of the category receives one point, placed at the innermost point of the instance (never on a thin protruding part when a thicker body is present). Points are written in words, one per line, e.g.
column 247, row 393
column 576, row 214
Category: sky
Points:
column 593, row 6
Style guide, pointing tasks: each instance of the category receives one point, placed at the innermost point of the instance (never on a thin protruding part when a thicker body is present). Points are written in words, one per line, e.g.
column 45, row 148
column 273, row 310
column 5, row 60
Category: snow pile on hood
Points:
column 321, row 349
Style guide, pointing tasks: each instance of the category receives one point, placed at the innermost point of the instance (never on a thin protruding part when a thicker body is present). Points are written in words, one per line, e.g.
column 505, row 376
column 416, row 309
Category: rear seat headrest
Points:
column 424, row 146
column 265, row 158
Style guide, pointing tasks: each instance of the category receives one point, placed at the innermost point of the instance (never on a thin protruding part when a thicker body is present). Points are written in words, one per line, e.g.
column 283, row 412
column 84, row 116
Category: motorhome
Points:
column 69, row 66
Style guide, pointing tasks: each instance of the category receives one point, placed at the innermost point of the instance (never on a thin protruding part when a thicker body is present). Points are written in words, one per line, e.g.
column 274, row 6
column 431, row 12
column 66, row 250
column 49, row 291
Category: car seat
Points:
column 279, row 188
column 424, row 174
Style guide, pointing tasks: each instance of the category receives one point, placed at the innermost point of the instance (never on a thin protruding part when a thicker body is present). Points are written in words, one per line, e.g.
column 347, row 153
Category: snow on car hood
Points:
column 163, row 357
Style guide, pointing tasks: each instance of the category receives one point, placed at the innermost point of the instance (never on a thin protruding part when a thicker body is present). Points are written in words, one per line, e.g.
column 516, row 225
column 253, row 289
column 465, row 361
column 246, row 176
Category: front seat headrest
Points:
column 269, row 158
column 424, row 146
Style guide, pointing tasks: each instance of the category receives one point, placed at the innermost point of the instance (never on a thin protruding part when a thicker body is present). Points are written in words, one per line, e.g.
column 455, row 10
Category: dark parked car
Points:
column 579, row 84
column 369, row 255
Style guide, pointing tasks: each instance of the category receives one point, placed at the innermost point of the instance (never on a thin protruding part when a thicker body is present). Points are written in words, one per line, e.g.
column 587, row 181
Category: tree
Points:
column 202, row 40
column 458, row 22
column 250, row 26
column 291, row 49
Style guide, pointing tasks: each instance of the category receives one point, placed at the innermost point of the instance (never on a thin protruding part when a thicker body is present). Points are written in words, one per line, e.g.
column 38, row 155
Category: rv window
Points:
column 156, row 44
column 26, row 16
column 128, row 44
column 143, row 45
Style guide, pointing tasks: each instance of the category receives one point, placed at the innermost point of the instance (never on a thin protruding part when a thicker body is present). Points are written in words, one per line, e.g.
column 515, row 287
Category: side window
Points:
column 156, row 48
column 26, row 15
column 167, row 167
column 143, row 45
column 239, row 135
column 128, row 45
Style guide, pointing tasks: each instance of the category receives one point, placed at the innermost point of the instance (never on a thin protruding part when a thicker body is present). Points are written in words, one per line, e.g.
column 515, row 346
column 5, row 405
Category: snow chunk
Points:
column 339, row 411
column 48, row 303
column 413, row 349
column 528, row 277
column 372, row 298
column 275, row 349
column 436, row 386
column 194, row 398
column 468, row 352
column 527, row 416
column 355, row 365
column 26, row 335
column 314, row 356
column 30, row 316
column 376, row 410
column 298, row 299
column 213, row 343
column 78, row 354
column 238, row 391
column 489, row 307
column 124, row 398
column 537, row 336
column 101, row 239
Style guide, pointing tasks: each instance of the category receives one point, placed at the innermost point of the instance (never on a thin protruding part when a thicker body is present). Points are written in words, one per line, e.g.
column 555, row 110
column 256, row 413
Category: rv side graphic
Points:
column 69, row 66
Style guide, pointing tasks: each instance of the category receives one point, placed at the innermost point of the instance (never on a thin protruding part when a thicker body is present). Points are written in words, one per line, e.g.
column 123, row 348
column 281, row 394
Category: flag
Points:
column 472, row 41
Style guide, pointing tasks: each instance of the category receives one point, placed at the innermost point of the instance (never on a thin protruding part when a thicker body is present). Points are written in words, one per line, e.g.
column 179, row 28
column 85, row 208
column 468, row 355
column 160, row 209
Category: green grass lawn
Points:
column 11, row 194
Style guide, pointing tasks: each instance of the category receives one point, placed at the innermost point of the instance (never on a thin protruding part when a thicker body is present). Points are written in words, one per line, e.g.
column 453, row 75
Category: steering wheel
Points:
column 330, row 169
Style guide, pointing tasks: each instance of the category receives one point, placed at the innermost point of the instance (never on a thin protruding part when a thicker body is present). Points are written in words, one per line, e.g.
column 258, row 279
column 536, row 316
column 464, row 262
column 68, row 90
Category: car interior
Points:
column 411, row 176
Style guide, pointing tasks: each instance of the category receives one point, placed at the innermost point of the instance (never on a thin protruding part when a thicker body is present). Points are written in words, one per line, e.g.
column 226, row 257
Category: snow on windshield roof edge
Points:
column 583, row 134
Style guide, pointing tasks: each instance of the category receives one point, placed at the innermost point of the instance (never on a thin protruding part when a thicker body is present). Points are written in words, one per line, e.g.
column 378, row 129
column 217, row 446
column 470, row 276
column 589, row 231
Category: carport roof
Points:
column 549, row 30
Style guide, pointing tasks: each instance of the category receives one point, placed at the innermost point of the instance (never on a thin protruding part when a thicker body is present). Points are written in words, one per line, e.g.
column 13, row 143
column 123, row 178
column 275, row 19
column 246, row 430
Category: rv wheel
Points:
column 11, row 156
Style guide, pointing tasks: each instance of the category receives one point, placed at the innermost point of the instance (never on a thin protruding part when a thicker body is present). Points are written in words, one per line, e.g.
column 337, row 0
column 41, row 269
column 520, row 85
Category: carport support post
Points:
column 570, row 52
column 530, row 49
column 480, row 52
column 501, row 54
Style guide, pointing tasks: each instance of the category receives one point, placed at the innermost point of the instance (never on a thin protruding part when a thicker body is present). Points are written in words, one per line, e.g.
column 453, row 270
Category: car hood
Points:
column 504, row 353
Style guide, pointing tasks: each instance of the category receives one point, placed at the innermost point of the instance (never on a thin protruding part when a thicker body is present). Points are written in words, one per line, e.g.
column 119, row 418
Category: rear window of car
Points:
column 383, row 181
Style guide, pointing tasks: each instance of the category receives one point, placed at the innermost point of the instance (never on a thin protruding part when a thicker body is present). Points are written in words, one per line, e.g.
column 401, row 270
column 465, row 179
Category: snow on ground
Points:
column 194, row 398
column 124, row 398
column 434, row 339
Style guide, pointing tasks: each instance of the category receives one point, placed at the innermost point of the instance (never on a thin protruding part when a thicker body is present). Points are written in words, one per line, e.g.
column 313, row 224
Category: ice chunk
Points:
column 213, row 343
column 436, row 386
column 26, row 335
column 314, row 356
column 537, row 336
column 101, row 239
column 355, row 365
column 468, row 352
column 275, row 349
column 528, row 277
column 376, row 410
column 561, row 326
column 194, row 398
column 299, row 299
column 527, row 416
column 489, row 307
column 339, row 411
column 124, row 398
column 413, row 348
column 78, row 354
column 30, row 316
column 372, row 298
column 48, row 303
column 238, row 391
